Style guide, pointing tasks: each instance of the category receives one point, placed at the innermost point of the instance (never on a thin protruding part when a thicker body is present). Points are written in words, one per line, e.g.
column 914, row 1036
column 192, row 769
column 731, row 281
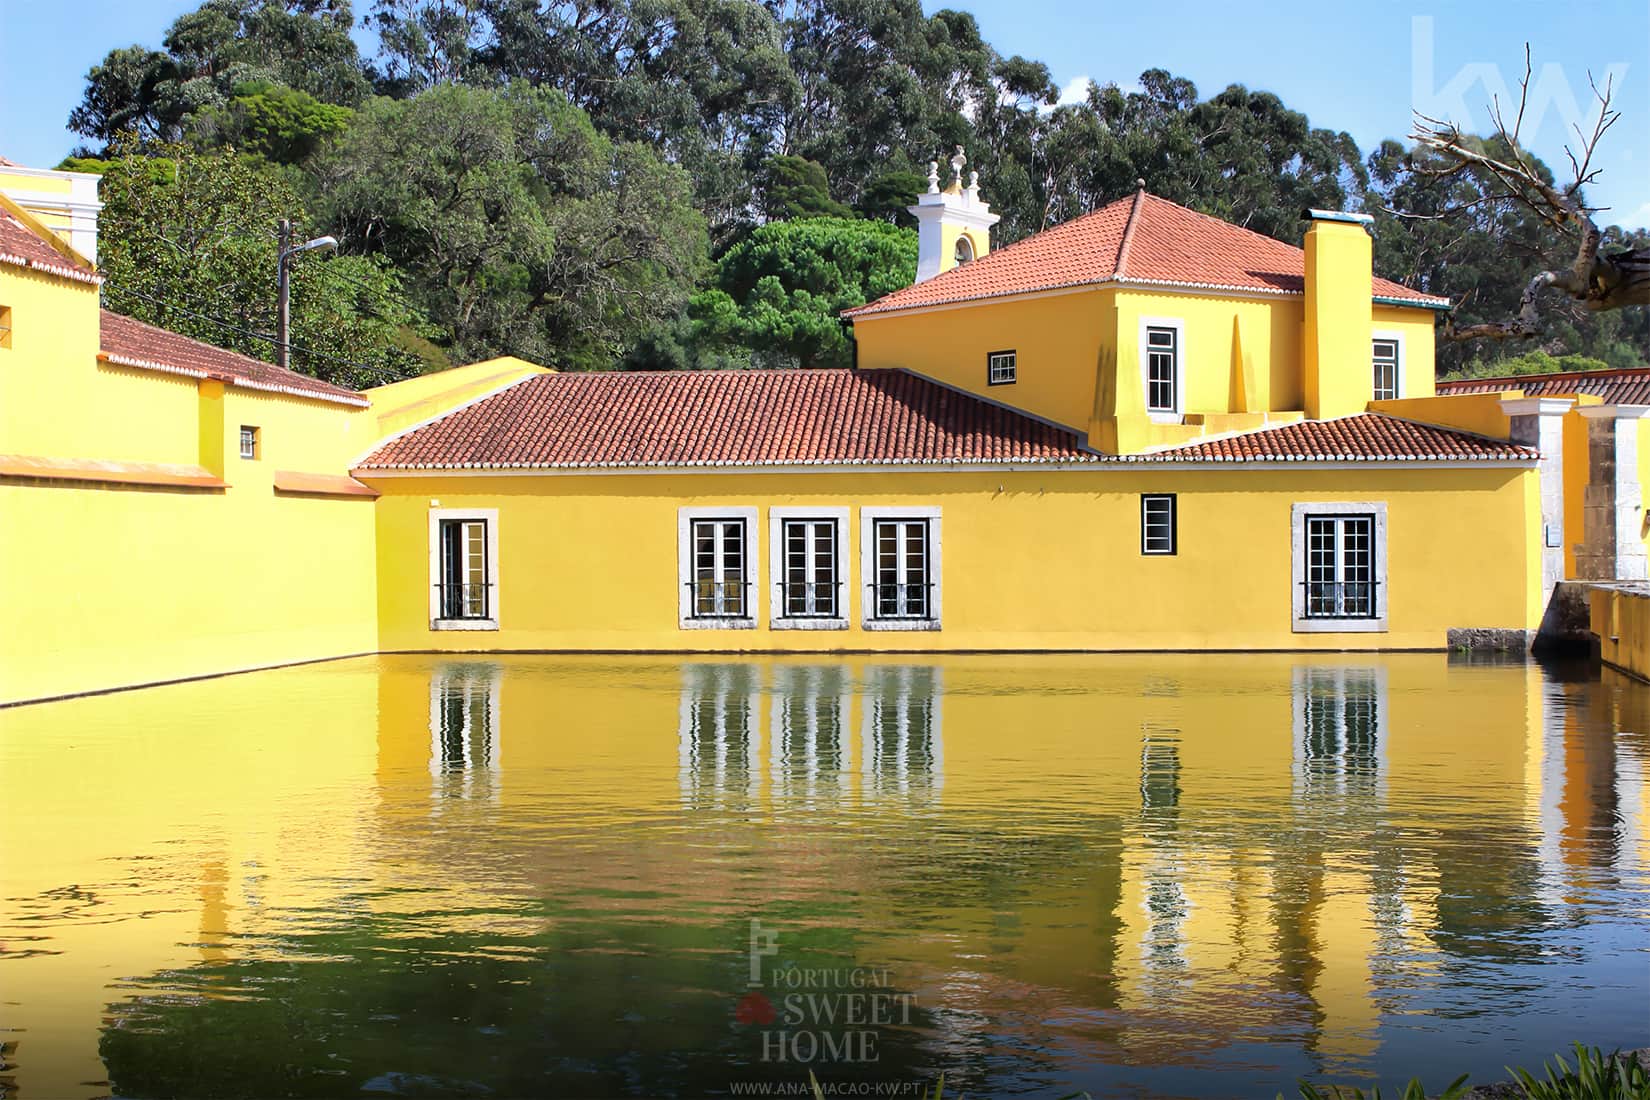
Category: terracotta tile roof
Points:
column 727, row 418
column 1616, row 387
column 1140, row 239
column 1364, row 437
column 21, row 246
column 130, row 343
column 837, row 417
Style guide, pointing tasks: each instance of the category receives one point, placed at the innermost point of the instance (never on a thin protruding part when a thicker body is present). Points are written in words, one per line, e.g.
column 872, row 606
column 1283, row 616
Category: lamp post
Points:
column 283, row 286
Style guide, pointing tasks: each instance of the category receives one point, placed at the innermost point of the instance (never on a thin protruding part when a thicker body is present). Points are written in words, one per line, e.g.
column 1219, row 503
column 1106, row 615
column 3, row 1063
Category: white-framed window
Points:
column 249, row 441
column 1000, row 367
column 1163, row 366
column 5, row 326
column 1158, row 534
column 464, row 569
column 1339, row 567
column 714, row 548
column 899, row 567
column 808, row 568
column 1387, row 359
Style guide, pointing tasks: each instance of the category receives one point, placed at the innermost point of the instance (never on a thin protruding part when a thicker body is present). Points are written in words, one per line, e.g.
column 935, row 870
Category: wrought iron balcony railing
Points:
column 1339, row 599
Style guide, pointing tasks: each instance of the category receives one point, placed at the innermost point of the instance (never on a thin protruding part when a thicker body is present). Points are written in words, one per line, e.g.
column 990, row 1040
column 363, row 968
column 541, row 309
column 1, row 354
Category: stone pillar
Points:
column 1613, row 526
column 1539, row 422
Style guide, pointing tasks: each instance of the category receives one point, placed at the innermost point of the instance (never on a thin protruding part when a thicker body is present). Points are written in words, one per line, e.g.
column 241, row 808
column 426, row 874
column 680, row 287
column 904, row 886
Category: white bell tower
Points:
column 953, row 224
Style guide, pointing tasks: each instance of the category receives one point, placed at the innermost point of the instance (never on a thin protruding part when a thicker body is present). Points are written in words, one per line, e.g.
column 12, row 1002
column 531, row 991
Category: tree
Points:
column 780, row 292
column 796, row 188
column 522, row 229
column 1598, row 280
column 210, row 52
column 189, row 243
column 274, row 121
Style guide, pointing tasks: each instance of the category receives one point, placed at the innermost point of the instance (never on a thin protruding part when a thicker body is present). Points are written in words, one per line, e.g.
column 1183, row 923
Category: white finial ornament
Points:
column 974, row 184
column 933, row 177
column 957, row 162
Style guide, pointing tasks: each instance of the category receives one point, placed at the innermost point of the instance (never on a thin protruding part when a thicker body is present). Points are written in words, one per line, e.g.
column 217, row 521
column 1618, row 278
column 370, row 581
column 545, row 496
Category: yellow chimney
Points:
column 1336, row 352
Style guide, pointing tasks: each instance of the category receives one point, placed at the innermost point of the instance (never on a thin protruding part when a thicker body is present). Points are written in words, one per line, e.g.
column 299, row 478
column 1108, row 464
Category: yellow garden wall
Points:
column 1620, row 618
column 1046, row 560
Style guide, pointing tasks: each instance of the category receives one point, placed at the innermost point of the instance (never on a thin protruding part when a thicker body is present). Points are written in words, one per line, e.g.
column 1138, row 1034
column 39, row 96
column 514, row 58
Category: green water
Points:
column 1154, row 875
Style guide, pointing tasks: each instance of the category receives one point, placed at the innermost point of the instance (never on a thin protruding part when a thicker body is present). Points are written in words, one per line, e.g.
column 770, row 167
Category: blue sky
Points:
column 1361, row 69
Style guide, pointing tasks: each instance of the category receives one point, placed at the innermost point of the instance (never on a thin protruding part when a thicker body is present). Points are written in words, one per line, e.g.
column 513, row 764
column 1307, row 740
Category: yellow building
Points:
column 1145, row 429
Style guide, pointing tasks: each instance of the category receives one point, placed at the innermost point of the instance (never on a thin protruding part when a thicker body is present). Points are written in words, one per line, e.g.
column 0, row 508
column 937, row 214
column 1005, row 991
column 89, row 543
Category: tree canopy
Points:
column 601, row 183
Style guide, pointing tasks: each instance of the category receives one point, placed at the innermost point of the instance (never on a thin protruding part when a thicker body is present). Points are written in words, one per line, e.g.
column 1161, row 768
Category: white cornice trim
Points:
column 1205, row 290
column 1536, row 406
column 1145, row 463
column 1614, row 412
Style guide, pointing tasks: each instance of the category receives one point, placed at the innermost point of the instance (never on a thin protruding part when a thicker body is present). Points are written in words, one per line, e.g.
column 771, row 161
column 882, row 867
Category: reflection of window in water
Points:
column 464, row 729
column 1340, row 728
column 903, row 750
column 717, row 732
column 1160, row 770
column 1165, row 898
column 811, row 750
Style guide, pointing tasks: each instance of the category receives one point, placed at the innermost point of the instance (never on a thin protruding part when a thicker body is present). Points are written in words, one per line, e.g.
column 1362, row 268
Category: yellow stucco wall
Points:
column 1056, row 340
column 1241, row 356
column 1620, row 618
column 1030, row 560
column 115, row 585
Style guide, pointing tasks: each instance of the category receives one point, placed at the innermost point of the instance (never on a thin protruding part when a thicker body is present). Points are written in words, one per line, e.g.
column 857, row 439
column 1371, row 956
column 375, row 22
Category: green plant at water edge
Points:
column 1595, row 1077
column 1412, row 1091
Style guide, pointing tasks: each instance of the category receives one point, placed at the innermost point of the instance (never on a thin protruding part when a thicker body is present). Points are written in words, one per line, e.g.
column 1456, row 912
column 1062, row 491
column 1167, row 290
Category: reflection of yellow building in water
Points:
column 1145, row 429
column 1133, row 860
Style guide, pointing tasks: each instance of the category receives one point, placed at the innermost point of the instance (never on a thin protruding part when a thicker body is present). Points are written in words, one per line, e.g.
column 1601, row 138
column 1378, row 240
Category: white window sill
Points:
column 902, row 624
column 808, row 624
column 1340, row 626
column 717, row 624
column 464, row 624
column 1161, row 416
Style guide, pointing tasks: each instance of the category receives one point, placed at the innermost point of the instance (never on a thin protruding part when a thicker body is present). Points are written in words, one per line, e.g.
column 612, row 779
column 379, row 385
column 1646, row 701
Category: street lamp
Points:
column 283, row 286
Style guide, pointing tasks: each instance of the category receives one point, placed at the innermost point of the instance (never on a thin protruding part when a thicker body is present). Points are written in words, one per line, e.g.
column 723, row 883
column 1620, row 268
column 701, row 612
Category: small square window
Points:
column 1157, row 524
column 1000, row 368
column 249, row 441
column 5, row 326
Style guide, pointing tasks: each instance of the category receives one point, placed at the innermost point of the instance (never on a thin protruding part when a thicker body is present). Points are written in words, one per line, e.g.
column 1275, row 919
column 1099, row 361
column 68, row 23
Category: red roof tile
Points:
column 1165, row 243
column 727, row 418
column 1364, row 437
column 1616, row 387
column 835, row 417
column 132, row 343
column 22, row 246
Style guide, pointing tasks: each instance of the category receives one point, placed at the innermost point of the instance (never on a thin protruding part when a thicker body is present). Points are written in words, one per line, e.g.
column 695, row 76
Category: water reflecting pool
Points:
column 1131, row 875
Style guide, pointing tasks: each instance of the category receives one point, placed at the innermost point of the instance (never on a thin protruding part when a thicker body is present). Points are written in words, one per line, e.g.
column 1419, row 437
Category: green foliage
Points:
column 212, row 51
column 189, row 243
column 1531, row 362
column 525, row 230
column 1595, row 1077
column 797, row 188
column 676, row 127
column 272, row 120
column 1412, row 1091
column 779, row 292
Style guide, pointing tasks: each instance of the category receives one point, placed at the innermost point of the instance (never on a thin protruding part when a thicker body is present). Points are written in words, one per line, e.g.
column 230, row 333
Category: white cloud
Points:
column 1075, row 91
column 1638, row 219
